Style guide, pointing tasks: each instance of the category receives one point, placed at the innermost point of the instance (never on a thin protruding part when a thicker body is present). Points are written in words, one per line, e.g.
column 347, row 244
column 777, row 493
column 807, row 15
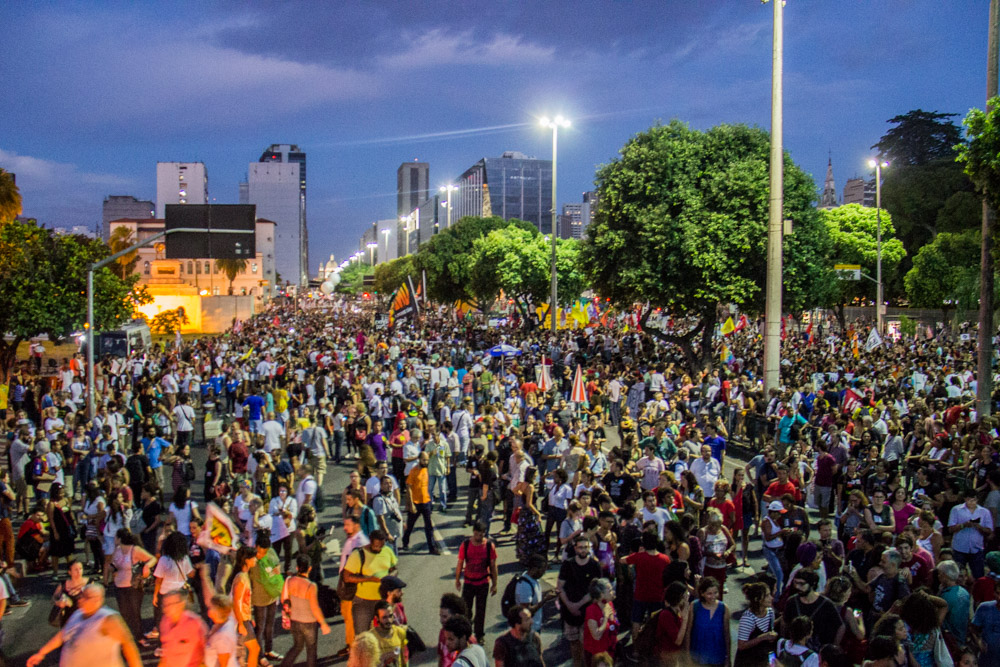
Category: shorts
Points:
column 251, row 634
column 572, row 633
column 255, row 425
column 822, row 495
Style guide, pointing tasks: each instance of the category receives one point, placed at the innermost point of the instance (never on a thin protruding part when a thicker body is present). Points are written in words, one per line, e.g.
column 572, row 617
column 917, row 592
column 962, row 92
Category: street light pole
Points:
column 554, row 124
column 879, row 317
column 448, row 189
column 371, row 253
column 775, row 221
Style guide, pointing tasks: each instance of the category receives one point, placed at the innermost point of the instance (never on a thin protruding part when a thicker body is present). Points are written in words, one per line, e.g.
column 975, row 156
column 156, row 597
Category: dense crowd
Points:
column 872, row 490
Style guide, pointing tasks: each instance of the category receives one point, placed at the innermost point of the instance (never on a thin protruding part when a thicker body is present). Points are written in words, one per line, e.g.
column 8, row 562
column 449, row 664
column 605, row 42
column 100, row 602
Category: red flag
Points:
column 852, row 401
column 809, row 330
column 742, row 324
column 782, row 328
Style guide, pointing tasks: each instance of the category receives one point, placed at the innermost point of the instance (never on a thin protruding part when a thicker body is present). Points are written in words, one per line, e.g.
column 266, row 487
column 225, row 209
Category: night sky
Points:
column 95, row 93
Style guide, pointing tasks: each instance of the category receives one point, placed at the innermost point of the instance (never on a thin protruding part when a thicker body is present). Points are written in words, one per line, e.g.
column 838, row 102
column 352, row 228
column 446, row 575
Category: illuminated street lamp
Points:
column 878, row 166
column 371, row 253
column 554, row 124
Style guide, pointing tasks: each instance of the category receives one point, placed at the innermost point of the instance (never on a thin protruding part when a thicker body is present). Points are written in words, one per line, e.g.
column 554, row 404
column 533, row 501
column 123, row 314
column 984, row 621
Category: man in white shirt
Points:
column 706, row 470
column 274, row 433
column 183, row 416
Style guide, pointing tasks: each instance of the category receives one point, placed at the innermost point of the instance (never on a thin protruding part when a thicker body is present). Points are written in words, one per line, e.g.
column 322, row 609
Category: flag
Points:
column 728, row 327
column 742, row 324
column 544, row 381
column 724, row 353
column 854, row 345
column 809, row 331
column 874, row 340
column 404, row 302
column 852, row 401
column 218, row 532
column 783, row 329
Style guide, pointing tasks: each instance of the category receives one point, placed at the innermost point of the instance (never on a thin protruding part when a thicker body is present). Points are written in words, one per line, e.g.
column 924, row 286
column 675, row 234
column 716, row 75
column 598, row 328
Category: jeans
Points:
column 976, row 561
column 304, row 635
column 472, row 508
column 362, row 612
column 486, row 510
column 339, row 438
column 774, row 562
column 423, row 510
column 263, row 618
column 440, row 484
column 475, row 596
column 616, row 413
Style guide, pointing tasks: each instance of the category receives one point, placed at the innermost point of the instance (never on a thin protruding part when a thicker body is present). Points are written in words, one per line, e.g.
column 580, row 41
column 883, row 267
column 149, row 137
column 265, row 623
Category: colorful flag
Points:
column 218, row 533
column 724, row 353
column 852, row 401
column 742, row 324
column 854, row 345
column 809, row 330
column 728, row 327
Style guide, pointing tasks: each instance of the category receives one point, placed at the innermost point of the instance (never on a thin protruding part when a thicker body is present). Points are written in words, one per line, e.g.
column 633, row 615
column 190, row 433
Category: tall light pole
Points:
column 554, row 124
column 775, row 220
column 447, row 190
column 878, row 165
column 385, row 233
column 371, row 252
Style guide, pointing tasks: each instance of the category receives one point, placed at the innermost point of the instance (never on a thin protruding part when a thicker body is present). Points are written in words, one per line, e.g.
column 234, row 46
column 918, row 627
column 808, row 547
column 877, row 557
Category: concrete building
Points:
column 860, row 191
column 124, row 206
column 829, row 197
column 591, row 201
column 180, row 183
column 412, row 186
column 571, row 221
column 510, row 186
column 276, row 186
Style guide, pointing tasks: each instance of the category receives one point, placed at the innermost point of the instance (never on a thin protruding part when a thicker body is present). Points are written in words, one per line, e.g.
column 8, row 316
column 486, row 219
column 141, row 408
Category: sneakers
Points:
column 21, row 602
column 271, row 655
column 152, row 634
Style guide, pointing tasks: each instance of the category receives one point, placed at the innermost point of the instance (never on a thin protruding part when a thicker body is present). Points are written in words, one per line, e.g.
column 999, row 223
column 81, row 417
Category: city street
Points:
column 427, row 578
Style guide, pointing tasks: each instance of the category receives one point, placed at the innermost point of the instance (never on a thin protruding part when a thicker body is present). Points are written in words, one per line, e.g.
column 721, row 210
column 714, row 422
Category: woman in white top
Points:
column 116, row 518
column 171, row 574
column 283, row 510
column 94, row 511
column 774, row 540
column 183, row 509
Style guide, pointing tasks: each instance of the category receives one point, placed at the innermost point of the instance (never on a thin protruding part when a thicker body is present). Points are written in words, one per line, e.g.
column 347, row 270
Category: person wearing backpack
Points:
column 792, row 652
column 477, row 561
column 525, row 589
column 355, row 540
column 266, row 584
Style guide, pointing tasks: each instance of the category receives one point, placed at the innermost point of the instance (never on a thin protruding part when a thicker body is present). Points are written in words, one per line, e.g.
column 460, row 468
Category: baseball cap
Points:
column 390, row 583
column 775, row 506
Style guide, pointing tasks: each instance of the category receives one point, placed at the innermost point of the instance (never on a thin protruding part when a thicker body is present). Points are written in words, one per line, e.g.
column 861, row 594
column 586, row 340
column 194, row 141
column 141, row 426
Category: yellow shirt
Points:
column 375, row 566
column 396, row 641
column 281, row 399
column 417, row 481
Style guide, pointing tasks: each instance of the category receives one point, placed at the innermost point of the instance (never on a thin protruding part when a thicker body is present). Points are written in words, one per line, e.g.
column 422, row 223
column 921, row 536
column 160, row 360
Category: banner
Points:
column 728, row 327
column 852, row 401
column 874, row 340
column 404, row 301
column 218, row 533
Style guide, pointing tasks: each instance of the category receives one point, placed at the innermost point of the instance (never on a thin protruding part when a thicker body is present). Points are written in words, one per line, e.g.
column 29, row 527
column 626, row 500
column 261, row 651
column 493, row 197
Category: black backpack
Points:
column 509, row 598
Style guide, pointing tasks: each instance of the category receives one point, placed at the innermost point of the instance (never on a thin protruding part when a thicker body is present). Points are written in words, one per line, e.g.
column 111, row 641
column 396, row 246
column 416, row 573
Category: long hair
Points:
column 243, row 554
column 365, row 651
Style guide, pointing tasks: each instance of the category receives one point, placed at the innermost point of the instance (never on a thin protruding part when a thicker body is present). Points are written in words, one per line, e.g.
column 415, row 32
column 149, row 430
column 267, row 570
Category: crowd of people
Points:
column 868, row 484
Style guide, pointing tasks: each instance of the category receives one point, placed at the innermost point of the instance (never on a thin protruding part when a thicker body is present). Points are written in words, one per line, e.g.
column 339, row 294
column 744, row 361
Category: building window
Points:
column 145, row 268
column 208, row 268
column 253, row 267
column 190, row 269
column 215, row 291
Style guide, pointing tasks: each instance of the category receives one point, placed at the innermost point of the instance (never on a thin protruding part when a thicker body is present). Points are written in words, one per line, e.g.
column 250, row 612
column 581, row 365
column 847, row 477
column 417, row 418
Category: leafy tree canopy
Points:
column 919, row 137
column 979, row 154
column 10, row 197
column 447, row 257
column 352, row 278
column 390, row 275
column 945, row 272
column 683, row 225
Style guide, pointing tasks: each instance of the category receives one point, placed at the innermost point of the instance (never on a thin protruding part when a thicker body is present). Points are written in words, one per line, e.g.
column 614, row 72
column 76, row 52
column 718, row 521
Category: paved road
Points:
column 427, row 576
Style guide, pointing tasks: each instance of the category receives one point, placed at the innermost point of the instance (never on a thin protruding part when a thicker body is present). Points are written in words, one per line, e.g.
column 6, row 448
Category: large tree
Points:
column 853, row 231
column 447, row 257
column 43, row 277
column 230, row 269
column 683, row 226
column 945, row 273
column 390, row 275
column 10, row 197
column 919, row 137
column 519, row 262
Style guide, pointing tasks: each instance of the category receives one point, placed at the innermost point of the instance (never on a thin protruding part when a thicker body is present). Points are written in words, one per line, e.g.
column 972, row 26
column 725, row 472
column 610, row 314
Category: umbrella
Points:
column 544, row 382
column 503, row 350
column 578, row 395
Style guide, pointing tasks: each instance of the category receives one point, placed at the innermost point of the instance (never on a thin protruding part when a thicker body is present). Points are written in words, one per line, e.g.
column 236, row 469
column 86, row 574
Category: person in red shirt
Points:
column 672, row 624
column 920, row 568
column 477, row 563
column 600, row 624
column 781, row 486
column 649, row 566
column 720, row 500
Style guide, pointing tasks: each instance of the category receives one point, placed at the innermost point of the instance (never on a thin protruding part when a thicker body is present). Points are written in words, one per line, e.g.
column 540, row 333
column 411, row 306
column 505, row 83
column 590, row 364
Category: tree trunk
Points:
column 697, row 360
column 8, row 356
column 840, row 311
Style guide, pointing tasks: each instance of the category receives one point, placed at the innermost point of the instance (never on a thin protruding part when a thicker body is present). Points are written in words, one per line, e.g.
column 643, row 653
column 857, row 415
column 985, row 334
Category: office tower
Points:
column 860, row 191
column 571, row 221
column 510, row 186
column 180, row 183
column 124, row 206
column 412, row 186
column 277, row 185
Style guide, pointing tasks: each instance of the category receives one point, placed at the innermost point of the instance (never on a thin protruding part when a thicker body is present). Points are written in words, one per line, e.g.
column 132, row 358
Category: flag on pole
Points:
column 783, row 329
column 578, row 395
column 218, row 533
column 742, row 324
column 852, row 401
column 728, row 327
column 874, row 340
column 724, row 353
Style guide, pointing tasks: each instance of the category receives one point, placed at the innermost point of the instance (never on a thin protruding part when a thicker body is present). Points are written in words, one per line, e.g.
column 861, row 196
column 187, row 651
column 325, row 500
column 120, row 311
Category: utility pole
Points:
column 984, row 366
column 775, row 220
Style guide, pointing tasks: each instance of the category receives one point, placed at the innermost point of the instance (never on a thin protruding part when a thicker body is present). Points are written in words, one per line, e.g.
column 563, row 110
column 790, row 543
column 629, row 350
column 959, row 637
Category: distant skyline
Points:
column 96, row 93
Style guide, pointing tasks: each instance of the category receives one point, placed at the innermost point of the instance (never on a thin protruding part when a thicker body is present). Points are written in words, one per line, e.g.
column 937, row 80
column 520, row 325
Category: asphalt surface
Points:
column 428, row 577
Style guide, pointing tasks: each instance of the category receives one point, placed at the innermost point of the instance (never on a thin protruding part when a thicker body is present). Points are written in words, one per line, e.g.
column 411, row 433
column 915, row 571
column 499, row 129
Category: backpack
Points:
column 189, row 471
column 32, row 468
column 345, row 590
column 509, row 598
column 786, row 659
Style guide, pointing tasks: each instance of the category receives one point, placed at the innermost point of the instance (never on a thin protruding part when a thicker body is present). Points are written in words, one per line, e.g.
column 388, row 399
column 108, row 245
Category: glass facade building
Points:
column 510, row 186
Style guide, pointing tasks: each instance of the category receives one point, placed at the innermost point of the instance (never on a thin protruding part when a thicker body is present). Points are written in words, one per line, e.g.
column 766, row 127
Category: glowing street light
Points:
column 448, row 189
column 878, row 166
column 371, row 253
column 554, row 124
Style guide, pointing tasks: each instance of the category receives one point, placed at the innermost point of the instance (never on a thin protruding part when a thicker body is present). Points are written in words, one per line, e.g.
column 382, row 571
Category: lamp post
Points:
column 554, row 124
column 878, row 165
column 775, row 218
column 385, row 233
column 447, row 190
column 371, row 253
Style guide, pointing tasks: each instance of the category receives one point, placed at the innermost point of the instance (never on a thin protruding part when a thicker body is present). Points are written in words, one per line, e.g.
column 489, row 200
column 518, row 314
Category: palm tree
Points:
column 10, row 197
column 121, row 238
column 231, row 268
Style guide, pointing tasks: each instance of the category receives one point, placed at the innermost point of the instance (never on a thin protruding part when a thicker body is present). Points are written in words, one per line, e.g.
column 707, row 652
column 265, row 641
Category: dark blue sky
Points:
column 95, row 93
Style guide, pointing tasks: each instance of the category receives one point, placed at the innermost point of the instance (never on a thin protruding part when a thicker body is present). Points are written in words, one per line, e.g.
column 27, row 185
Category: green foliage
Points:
column 43, row 277
column 121, row 238
column 519, row 261
column 10, row 197
column 352, row 278
column 907, row 326
column 945, row 273
column 447, row 257
column 231, row 268
column 168, row 322
column 918, row 138
column 981, row 154
column 683, row 225
column 390, row 275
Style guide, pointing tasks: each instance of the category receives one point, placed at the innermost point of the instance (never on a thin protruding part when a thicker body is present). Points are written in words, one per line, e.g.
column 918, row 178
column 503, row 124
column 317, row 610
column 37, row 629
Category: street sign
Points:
column 847, row 271
column 185, row 245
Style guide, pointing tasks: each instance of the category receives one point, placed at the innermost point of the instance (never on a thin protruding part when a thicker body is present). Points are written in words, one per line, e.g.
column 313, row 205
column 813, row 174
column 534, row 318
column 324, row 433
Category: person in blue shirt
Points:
column 255, row 405
column 785, row 439
column 716, row 442
column 155, row 448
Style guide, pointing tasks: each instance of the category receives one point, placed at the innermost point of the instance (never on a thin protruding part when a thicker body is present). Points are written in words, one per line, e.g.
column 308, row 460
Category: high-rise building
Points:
column 591, row 201
column 412, row 186
column 829, row 197
column 124, row 206
column 510, row 186
column 277, row 185
column 860, row 191
column 180, row 183
column 571, row 221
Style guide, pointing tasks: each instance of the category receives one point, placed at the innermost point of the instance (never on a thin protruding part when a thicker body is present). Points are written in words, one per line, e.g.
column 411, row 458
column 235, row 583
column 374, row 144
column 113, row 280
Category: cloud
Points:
column 37, row 174
column 437, row 47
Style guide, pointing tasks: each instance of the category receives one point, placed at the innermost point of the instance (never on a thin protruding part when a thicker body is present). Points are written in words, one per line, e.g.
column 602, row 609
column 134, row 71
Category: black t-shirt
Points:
column 823, row 614
column 150, row 512
column 136, row 466
column 576, row 580
column 619, row 488
column 514, row 652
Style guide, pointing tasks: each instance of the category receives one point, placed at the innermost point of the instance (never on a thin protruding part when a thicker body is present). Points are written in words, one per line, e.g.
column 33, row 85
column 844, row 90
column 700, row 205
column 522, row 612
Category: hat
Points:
column 806, row 553
column 776, row 506
column 993, row 561
column 390, row 584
